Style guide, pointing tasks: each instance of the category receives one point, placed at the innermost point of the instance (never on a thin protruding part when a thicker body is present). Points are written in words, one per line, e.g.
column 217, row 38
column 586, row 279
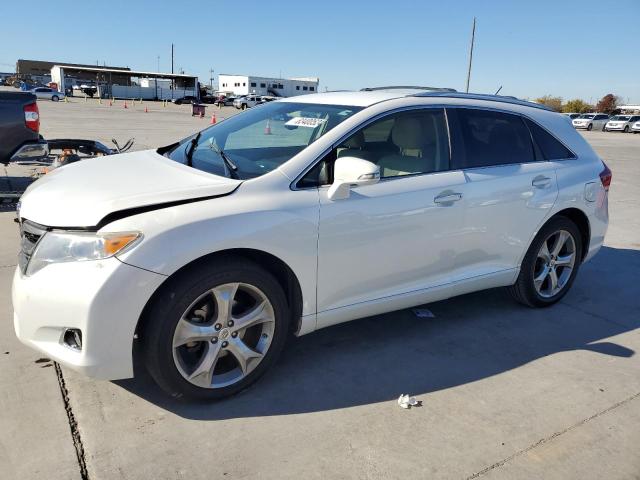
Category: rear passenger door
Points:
column 510, row 188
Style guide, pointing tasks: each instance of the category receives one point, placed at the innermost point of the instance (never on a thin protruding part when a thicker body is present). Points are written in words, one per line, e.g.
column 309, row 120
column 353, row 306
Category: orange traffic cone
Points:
column 267, row 129
column 146, row 110
column 213, row 119
column 125, row 104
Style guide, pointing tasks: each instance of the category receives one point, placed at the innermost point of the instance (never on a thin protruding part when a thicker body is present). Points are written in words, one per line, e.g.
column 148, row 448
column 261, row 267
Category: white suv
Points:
column 306, row 212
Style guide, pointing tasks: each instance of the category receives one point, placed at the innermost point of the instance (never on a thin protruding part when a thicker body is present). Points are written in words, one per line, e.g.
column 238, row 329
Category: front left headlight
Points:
column 60, row 247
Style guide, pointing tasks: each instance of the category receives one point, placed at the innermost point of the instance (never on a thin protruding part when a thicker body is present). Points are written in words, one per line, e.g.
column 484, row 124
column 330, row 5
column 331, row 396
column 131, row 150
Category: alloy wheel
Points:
column 554, row 264
column 224, row 335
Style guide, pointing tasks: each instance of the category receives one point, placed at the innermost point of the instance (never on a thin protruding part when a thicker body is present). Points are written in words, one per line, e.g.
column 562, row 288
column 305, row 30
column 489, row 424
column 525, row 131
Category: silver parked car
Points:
column 590, row 121
column 621, row 123
column 47, row 93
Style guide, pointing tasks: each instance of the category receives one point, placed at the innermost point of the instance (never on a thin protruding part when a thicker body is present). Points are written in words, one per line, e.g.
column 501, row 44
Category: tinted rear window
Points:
column 550, row 146
column 493, row 138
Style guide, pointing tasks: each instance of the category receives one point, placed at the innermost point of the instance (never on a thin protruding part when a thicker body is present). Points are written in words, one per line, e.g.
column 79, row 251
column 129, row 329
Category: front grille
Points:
column 30, row 234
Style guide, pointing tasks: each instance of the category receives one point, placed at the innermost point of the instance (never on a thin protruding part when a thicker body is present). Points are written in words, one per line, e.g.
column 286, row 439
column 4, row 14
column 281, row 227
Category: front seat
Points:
column 353, row 147
column 409, row 136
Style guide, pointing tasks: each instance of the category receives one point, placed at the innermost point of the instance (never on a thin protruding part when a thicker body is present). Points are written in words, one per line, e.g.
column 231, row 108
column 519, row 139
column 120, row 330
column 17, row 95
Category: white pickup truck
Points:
column 247, row 101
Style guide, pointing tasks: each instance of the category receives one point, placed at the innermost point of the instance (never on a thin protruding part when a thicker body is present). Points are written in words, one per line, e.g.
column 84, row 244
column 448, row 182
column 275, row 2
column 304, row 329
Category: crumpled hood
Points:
column 83, row 193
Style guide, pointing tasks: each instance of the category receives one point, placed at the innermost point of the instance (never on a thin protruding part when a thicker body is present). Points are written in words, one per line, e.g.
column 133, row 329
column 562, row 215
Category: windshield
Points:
column 259, row 140
column 621, row 117
column 586, row 116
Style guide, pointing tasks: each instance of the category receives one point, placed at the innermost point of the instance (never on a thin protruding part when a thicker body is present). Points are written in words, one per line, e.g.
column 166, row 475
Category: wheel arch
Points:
column 285, row 276
column 581, row 220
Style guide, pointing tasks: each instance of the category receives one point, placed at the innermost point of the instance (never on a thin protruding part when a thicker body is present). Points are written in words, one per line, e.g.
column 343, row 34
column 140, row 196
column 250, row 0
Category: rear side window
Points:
column 487, row 138
column 550, row 147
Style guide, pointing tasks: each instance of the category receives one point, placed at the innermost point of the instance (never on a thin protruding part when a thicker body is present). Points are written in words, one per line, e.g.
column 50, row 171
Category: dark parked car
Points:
column 225, row 101
column 20, row 127
column 185, row 99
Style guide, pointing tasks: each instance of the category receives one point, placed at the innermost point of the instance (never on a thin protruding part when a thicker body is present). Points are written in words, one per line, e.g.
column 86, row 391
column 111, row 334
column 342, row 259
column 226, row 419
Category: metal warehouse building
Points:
column 40, row 70
column 278, row 87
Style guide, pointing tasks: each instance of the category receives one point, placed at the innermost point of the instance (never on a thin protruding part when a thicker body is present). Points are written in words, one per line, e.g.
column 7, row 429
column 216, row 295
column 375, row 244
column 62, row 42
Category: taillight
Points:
column 32, row 117
column 605, row 177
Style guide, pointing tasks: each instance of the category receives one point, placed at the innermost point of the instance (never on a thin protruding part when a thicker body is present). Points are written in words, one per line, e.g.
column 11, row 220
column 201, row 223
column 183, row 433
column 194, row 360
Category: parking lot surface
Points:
column 506, row 391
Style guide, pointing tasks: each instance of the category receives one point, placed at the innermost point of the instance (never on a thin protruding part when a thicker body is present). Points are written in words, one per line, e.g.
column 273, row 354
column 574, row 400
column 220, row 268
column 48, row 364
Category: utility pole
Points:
column 158, row 63
column 173, row 83
column 211, row 79
column 473, row 37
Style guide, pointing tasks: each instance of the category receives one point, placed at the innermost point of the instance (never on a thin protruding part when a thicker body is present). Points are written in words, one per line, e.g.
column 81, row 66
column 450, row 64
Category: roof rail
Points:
column 484, row 96
column 408, row 87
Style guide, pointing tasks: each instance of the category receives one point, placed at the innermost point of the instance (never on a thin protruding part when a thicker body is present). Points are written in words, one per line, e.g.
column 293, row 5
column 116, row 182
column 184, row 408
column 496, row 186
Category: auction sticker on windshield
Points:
column 305, row 122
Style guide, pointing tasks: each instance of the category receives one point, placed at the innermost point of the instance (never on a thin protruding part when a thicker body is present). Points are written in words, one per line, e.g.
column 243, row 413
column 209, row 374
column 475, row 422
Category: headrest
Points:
column 355, row 141
column 407, row 133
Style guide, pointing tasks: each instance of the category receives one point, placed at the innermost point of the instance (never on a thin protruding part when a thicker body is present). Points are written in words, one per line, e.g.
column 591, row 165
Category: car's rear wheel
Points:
column 550, row 265
column 604, row 128
column 590, row 127
column 626, row 129
column 55, row 98
column 215, row 329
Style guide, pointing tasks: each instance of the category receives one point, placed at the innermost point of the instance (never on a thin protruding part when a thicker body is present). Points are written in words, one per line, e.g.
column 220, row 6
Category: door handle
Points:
column 541, row 182
column 447, row 198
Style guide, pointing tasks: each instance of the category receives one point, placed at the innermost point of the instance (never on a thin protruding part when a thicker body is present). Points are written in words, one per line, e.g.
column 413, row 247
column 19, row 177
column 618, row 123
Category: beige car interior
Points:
column 415, row 144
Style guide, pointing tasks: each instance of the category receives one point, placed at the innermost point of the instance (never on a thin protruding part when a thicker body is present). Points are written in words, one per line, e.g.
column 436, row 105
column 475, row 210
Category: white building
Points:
column 629, row 109
column 279, row 87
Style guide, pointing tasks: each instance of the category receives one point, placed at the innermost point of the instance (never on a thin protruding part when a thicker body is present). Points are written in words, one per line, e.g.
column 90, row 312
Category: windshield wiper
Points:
column 232, row 167
column 191, row 148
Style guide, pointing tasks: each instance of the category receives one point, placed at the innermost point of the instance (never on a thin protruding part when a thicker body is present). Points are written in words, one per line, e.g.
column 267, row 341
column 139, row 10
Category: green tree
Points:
column 607, row 104
column 576, row 105
column 554, row 103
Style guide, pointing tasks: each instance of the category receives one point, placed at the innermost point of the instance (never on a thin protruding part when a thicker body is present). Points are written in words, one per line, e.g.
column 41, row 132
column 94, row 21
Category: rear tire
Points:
column 55, row 98
column 626, row 129
column 242, row 354
column 540, row 271
column 590, row 127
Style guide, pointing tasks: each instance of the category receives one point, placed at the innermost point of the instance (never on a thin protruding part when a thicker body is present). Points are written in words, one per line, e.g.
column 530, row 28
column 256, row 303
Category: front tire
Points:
column 626, row 129
column 55, row 98
column 550, row 265
column 214, row 329
column 590, row 127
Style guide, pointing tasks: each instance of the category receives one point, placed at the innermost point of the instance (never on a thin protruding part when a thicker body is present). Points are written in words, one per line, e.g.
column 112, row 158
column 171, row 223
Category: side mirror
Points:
column 352, row 172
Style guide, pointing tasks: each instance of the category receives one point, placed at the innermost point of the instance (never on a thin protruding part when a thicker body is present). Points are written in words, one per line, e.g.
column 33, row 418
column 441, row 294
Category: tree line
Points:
column 607, row 104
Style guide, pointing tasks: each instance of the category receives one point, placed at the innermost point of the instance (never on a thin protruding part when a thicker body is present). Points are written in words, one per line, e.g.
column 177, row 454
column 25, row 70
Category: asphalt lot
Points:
column 507, row 392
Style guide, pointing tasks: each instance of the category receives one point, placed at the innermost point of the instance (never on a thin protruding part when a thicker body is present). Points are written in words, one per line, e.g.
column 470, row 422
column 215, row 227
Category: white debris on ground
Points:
column 405, row 401
column 423, row 313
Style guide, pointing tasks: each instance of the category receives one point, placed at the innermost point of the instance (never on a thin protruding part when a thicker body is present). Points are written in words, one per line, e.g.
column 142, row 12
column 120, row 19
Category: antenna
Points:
column 473, row 37
column 498, row 91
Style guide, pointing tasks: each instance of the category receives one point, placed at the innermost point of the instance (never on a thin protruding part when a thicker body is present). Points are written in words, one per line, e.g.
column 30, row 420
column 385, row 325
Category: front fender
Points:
column 283, row 224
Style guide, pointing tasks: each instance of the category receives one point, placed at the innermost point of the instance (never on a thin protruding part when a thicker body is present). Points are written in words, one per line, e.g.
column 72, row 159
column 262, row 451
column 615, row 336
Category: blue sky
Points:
column 563, row 47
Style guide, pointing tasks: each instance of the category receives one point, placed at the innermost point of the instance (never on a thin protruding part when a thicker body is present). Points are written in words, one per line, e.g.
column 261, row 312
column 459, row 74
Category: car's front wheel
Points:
column 55, row 98
column 590, row 127
column 215, row 329
column 626, row 129
column 550, row 265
